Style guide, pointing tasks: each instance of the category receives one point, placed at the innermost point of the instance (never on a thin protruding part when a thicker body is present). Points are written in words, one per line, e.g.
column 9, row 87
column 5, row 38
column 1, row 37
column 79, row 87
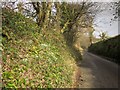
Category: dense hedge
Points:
column 109, row 48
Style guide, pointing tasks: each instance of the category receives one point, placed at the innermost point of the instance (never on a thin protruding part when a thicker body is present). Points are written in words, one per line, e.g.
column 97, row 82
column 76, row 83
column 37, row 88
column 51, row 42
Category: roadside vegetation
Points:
column 31, row 59
column 109, row 48
column 42, row 42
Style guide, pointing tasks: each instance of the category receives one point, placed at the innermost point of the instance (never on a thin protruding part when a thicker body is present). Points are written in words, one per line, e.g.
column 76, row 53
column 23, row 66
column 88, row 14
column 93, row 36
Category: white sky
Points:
column 103, row 20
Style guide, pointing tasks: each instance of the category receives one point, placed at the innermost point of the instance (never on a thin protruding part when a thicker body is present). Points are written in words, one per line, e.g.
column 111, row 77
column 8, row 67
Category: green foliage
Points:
column 69, row 12
column 109, row 48
column 32, row 59
column 17, row 23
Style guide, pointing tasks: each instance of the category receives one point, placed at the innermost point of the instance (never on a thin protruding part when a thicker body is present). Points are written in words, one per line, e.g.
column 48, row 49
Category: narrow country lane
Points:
column 97, row 72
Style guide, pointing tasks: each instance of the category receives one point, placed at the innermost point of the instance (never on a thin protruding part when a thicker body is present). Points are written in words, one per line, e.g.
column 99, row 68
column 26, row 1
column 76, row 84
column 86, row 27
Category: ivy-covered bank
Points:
column 31, row 57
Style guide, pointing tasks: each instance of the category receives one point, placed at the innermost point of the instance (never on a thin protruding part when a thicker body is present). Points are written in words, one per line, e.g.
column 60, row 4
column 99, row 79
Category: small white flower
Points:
column 45, row 45
column 25, row 59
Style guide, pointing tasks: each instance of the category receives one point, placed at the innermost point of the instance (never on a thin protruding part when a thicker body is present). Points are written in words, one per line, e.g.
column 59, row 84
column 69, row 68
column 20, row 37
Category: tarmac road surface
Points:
column 97, row 72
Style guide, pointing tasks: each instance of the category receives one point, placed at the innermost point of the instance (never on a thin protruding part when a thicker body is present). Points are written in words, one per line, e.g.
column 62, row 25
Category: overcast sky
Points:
column 103, row 20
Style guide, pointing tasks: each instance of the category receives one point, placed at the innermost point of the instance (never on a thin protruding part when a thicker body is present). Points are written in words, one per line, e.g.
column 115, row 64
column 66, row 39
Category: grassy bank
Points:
column 33, row 58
